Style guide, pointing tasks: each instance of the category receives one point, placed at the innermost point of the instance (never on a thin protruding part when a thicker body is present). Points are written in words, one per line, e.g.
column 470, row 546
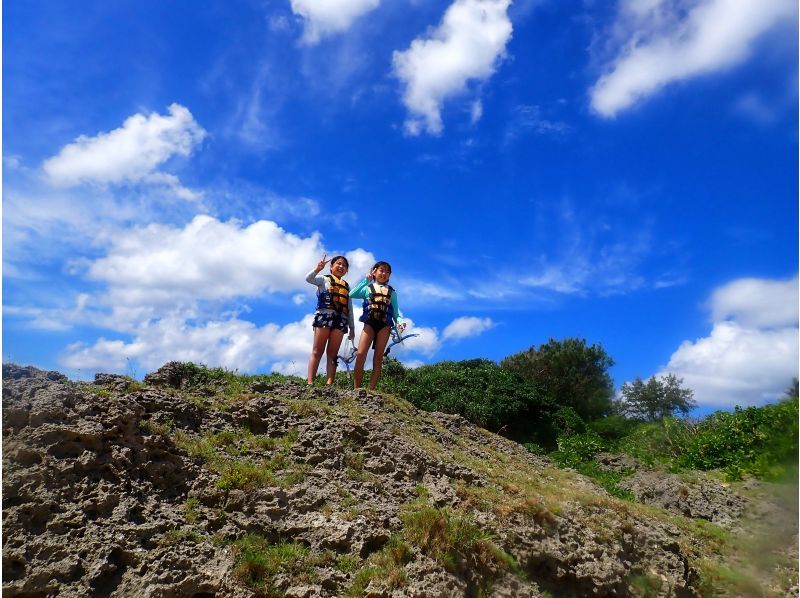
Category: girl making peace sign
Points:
column 334, row 315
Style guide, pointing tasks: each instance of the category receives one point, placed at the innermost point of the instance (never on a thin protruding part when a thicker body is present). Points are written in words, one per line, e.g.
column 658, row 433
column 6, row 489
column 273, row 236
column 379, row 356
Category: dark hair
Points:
column 340, row 257
column 379, row 264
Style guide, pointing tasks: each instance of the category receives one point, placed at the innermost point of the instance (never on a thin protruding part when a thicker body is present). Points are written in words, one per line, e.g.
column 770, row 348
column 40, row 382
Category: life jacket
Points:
column 336, row 297
column 378, row 304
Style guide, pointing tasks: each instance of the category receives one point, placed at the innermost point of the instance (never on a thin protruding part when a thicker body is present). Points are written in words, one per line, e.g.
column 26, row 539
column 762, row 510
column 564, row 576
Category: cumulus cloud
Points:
column 664, row 41
column 206, row 259
column 467, row 326
column 466, row 46
column 60, row 318
column 328, row 17
column 129, row 154
column 175, row 293
column 751, row 354
column 360, row 262
column 526, row 119
column 232, row 343
column 757, row 303
column 427, row 343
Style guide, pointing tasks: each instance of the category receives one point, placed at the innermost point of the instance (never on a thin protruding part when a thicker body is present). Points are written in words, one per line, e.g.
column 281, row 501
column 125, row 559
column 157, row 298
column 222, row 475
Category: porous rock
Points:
column 96, row 495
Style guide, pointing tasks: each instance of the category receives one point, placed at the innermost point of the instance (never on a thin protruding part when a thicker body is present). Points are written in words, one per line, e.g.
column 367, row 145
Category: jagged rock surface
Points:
column 697, row 498
column 95, row 497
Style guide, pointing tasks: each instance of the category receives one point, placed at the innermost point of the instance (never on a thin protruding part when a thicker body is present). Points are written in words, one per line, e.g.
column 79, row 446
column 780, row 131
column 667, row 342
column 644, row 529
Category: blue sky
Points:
column 625, row 172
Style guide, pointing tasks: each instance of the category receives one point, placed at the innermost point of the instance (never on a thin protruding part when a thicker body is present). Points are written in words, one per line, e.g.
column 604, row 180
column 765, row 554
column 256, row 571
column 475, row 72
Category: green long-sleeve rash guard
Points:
column 361, row 291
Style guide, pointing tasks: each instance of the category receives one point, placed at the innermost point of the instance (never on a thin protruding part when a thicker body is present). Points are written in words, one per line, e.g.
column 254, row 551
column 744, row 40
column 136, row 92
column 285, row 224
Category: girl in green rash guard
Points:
column 380, row 312
column 334, row 315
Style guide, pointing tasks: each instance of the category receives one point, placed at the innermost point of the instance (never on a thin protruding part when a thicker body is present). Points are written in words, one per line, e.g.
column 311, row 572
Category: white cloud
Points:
column 360, row 262
column 467, row 326
column 169, row 291
column 207, row 259
column 233, row 344
column 430, row 292
column 413, row 363
column 327, row 17
column 131, row 153
column 757, row 302
column 427, row 343
column 751, row 354
column 61, row 318
column 466, row 46
column 665, row 41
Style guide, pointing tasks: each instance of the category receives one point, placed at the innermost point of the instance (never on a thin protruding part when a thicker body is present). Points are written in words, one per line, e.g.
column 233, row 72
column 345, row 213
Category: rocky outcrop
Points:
column 691, row 496
column 123, row 489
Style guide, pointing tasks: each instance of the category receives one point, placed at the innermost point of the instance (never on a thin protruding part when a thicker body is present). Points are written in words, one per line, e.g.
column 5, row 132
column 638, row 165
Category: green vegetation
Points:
column 453, row 539
column 239, row 460
column 198, row 377
column 760, row 441
column 568, row 372
column 179, row 536
column 479, row 389
column 190, row 512
column 448, row 536
column 656, row 399
column 386, row 565
column 96, row 390
column 258, row 560
column 557, row 399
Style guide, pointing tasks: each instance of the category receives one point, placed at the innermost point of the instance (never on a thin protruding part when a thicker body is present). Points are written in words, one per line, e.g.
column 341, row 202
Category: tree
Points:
column 570, row 373
column 793, row 391
column 656, row 399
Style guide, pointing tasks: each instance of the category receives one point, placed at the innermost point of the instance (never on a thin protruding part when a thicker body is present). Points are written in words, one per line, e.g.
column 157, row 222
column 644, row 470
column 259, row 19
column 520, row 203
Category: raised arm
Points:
column 312, row 278
column 360, row 291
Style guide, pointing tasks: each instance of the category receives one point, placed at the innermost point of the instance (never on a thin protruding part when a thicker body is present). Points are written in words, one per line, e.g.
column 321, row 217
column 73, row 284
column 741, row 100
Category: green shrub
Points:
column 479, row 389
column 659, row 442
column 577, row 449
column 613, row 428
column 758, row 440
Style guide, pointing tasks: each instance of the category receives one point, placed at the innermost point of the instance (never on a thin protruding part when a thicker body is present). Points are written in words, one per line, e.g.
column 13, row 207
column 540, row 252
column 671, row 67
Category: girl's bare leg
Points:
column 334, row 342
column 364, row 342
column 317, row 351
column 377, row 358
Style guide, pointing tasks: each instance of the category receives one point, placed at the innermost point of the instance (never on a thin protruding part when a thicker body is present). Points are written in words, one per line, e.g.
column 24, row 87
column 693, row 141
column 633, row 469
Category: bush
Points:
column 757, row 440
column 658, row 442
column 479, row 389
column 578, row 448
column 613, row 428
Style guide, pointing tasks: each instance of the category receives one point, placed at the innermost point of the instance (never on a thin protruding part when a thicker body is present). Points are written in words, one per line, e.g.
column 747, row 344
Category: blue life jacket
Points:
column 336, row 297
column 378, row 304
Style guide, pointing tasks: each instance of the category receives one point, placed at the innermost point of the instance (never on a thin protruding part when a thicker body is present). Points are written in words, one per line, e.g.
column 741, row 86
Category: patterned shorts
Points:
column 330, row 320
